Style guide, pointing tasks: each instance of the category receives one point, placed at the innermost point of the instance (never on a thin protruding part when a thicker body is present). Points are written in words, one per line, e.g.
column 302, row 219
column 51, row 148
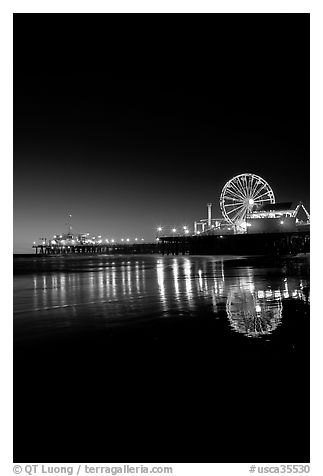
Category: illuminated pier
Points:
column 81, row 249
column 252, row 223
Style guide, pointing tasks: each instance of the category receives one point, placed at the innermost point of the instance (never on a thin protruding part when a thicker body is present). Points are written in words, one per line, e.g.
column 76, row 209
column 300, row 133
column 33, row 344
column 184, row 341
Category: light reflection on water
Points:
column 253, row 316
column 251, row 299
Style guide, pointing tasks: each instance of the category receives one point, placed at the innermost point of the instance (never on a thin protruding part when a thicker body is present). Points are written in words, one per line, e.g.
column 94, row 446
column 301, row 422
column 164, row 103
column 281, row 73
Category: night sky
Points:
column 133, row 121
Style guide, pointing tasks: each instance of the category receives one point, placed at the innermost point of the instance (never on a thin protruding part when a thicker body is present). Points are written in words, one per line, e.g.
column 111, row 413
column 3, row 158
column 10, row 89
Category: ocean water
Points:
column 210, row 343
column 62, row 294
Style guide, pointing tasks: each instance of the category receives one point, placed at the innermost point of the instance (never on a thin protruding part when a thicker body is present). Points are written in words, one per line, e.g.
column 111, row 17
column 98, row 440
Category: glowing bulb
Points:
column 251, row 201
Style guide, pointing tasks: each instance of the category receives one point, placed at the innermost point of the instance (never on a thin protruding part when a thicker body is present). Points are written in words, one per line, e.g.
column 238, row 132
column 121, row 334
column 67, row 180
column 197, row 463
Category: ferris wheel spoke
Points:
column 249, row 187
column 235, row 195
column 239, row 191
column 243, row 186
column 240, row 214
column 253, row 190
column 263, row 195
column 233, row 204
column 233, row 192
column 263, row 187
column 234, row 209
column 245, row 211
column 237, row 205
column 234, row 217
column 244, row 180
column 243, row 183
column 237, row 208
column 260, row 184
column 250, row 184
column 233, row 200
column 239, row 186
column 263, row 200
column 257, row 189
column 234, row 186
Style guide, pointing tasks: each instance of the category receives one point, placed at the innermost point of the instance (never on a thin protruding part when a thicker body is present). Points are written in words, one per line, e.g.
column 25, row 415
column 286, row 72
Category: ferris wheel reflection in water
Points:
column 253, row 307
column 252, row 316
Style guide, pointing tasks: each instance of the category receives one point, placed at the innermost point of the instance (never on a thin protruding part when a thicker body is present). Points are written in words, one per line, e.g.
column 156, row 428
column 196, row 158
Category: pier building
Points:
column 278, row 218
column 248, row 205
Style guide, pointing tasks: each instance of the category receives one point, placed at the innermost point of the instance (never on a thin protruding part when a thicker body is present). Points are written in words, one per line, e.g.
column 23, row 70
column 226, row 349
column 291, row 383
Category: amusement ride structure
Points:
column 243, row 193
column 243, row 199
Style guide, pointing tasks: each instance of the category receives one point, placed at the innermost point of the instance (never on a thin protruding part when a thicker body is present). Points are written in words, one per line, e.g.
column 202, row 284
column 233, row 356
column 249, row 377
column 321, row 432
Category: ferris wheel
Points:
column 241, row 194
